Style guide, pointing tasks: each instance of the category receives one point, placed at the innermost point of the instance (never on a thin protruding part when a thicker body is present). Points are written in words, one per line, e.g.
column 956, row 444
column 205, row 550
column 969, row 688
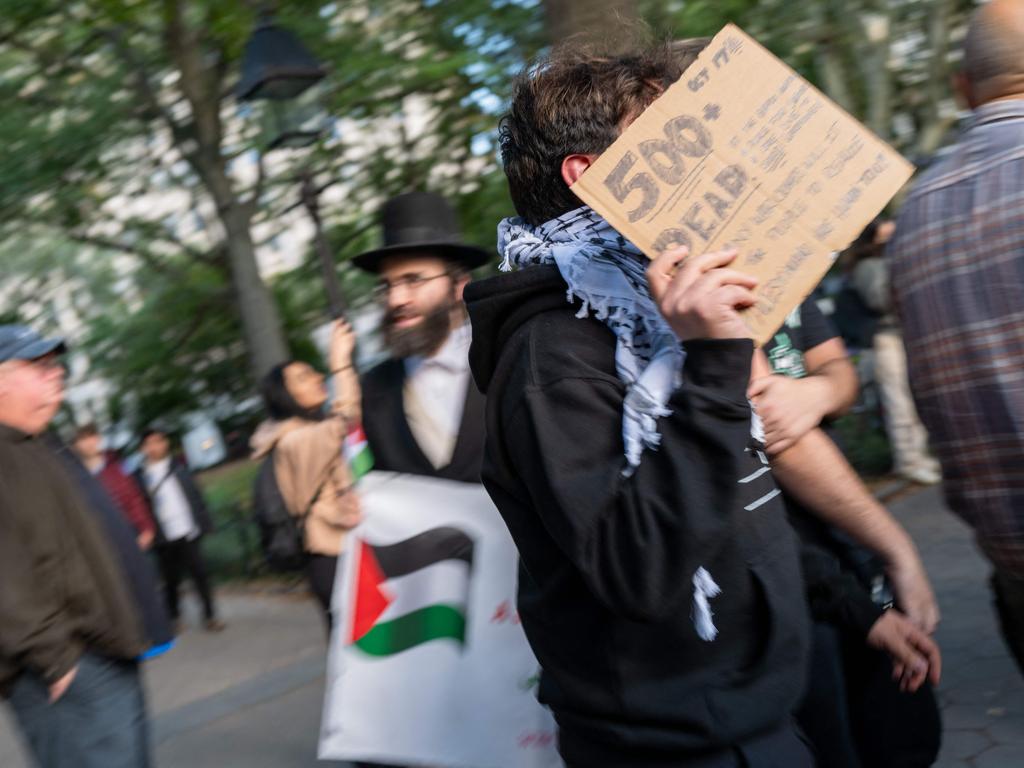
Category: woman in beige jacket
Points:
column 307, row 440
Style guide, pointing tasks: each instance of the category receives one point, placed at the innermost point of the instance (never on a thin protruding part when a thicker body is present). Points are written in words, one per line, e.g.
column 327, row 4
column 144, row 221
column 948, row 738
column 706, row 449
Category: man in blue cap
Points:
column 70, row 631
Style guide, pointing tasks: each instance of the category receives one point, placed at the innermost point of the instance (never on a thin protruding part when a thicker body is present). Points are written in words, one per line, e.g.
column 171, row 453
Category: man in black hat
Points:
column 421, row 411
column 70, row 630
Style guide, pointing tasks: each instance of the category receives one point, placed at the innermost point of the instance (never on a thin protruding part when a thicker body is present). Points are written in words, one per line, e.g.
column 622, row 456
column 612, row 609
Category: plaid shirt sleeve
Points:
column 958, row 278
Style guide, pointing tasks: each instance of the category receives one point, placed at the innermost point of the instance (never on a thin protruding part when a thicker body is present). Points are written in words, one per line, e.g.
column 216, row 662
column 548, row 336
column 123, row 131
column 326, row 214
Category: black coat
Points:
column 140, row 577
column 391, row 441
column 607, row 561
column 196, row 503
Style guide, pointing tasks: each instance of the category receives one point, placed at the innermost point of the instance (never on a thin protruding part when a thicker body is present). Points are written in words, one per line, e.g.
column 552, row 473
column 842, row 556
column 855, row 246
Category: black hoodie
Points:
column 605, row 583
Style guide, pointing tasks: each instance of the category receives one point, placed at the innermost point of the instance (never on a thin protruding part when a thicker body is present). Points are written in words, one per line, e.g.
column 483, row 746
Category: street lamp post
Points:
column 278, row 69
column 311, row 200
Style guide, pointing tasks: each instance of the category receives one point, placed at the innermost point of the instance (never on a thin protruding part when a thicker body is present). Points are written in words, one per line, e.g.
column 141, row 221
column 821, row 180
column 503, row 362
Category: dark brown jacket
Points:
column 61, row 592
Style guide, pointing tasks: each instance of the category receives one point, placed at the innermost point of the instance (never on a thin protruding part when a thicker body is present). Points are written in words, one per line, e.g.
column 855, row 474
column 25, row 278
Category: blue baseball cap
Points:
column 19, row 342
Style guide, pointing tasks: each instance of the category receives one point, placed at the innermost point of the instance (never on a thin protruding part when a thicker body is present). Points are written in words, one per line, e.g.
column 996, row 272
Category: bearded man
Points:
column 421, row 411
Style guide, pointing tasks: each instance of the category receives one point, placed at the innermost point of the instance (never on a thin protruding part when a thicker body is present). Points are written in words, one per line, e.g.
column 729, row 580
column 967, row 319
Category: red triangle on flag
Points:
column 371, row 599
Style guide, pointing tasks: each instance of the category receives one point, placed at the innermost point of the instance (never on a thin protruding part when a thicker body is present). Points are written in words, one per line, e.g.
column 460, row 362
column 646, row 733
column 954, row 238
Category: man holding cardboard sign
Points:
column 659, row 585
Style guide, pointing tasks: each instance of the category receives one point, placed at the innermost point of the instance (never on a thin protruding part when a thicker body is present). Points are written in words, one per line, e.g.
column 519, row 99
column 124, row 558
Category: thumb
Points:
column 758, row 386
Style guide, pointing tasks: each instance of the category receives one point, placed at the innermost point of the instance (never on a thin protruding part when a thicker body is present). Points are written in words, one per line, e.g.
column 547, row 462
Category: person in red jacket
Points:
column 105, row 466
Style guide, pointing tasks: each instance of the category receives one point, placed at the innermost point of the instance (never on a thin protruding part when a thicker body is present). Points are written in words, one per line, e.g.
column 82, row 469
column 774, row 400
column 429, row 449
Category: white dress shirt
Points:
column 435, row 395
column 170, row 505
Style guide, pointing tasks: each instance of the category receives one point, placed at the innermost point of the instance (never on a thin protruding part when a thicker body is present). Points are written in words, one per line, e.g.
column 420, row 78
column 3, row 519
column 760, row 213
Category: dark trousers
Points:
column 855, row 715
column 99, row 722
column 783, row 747
column 1009, row 598
column 176, row 559
column 823, row 713
column 320, row 570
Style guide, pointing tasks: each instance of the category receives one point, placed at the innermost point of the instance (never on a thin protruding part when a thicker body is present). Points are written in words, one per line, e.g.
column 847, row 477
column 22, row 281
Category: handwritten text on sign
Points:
column 744, row 152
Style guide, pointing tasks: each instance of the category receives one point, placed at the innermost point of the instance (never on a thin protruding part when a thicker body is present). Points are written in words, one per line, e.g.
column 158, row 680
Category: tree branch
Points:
column 146, row 91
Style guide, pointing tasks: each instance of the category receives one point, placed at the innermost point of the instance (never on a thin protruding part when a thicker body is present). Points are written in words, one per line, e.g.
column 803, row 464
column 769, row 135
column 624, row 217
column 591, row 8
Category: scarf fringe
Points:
column 704, row 588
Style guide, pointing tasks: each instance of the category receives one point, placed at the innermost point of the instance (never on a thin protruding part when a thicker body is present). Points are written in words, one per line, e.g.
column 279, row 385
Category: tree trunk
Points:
column 933, row 127
column 833, row 76
column 261, row 323
column 201, row 83
column 609, row 24
column 828, row 58
column 877, row 29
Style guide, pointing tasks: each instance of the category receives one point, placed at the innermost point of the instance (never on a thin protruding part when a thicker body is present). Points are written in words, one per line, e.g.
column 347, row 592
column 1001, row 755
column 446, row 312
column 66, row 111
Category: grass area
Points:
column 865, row 444
column 228, row 484
column 233, row 549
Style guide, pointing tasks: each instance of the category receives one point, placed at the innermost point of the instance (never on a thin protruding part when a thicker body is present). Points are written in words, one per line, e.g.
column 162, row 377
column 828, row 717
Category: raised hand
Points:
column 699, row 296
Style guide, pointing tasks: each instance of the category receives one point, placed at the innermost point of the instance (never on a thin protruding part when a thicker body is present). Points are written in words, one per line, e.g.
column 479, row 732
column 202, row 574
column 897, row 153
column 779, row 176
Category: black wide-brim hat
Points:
column 422, row 222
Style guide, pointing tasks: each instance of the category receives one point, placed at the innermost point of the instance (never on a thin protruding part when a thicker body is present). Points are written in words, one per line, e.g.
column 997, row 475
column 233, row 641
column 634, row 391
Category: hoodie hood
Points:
column 500, row 305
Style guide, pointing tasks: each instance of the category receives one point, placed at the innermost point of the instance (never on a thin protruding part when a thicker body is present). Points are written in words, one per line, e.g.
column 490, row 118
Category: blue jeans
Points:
column 99, row 722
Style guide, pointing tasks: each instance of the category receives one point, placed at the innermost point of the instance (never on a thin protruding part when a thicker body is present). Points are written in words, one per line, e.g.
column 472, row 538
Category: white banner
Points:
column 428, row 663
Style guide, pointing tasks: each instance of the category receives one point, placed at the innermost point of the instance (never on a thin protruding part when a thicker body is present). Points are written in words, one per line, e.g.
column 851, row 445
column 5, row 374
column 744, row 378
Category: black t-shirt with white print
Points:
column 804, row 328
column 829, row 558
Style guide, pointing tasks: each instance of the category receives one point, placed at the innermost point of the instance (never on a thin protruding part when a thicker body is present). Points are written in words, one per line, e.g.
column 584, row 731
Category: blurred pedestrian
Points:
column 122, row 489
column 907, row 436
column 669, row 622
column 591, row 358
column 421, row 410
column 957, row 263
column 854, row 712
column 137, row 567
column 69, row 630
column 305, row 442
column 182, row 519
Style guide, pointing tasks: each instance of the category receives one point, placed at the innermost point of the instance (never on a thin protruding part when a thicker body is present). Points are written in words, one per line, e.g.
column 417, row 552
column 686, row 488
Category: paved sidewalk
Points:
column 250, row 697
column 982, row 692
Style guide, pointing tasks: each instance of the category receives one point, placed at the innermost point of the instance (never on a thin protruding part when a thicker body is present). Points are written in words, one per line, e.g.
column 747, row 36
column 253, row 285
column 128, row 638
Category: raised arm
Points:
column 347, row 402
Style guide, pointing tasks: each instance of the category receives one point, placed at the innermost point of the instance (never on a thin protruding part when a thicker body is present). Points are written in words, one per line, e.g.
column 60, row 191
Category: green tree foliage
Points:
column 123, row 132
column 125, row 141
column 132, row 175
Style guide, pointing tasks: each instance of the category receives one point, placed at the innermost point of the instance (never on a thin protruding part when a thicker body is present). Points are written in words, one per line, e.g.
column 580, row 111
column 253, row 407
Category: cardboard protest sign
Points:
column 742, row 151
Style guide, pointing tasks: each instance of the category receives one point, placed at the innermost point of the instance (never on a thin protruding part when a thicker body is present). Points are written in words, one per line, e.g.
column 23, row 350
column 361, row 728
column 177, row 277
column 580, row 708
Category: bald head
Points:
column 994, row 52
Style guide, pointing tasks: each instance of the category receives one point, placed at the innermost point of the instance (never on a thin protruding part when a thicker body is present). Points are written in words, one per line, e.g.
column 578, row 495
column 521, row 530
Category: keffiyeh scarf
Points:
column 607, row 273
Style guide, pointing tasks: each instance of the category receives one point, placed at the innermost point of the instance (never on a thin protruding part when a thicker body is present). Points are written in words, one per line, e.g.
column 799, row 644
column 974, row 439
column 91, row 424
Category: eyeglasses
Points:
column 383, row 289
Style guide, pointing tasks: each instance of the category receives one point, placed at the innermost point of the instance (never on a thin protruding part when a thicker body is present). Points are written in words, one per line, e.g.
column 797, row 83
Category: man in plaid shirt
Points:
column 958, row 276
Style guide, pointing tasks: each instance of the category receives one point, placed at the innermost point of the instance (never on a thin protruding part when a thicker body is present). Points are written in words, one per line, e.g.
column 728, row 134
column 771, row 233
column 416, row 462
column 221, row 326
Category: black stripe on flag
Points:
column 425, row 549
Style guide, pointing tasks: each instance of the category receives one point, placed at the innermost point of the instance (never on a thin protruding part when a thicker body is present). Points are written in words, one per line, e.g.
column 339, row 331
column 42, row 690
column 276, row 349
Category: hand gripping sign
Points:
column 743, row 152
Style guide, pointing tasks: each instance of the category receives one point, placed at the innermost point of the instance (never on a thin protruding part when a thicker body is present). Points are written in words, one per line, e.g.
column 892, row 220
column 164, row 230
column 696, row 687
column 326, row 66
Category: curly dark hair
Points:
column 575, row 101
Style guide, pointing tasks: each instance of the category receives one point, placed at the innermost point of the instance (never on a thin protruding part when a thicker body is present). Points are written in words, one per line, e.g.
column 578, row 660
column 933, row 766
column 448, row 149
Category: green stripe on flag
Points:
column 434, row 622
column 362, row 462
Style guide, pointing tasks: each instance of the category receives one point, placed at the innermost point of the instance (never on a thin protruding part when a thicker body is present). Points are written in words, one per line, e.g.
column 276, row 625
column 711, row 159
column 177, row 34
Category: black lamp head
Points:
column 276, row 65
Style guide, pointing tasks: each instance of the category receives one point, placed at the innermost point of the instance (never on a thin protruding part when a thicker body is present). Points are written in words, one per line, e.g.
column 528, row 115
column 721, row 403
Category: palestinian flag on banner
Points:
column 411, row 592
column 356, row 451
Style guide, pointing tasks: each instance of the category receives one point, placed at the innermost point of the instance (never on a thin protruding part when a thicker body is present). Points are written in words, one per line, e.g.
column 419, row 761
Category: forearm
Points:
column 834, row 387
column 347, row 401
column 815, row 473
